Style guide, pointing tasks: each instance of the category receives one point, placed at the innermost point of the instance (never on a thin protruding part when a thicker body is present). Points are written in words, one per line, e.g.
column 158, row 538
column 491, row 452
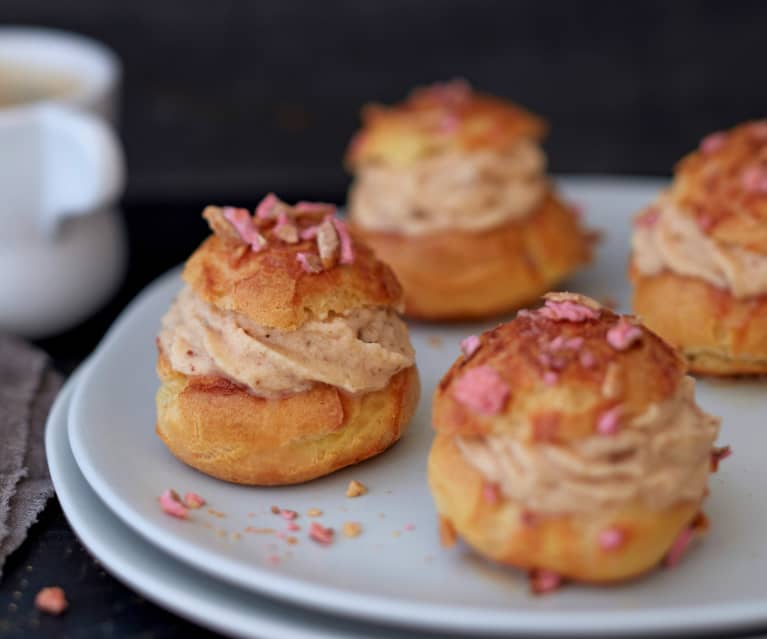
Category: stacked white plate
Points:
column 224, row 570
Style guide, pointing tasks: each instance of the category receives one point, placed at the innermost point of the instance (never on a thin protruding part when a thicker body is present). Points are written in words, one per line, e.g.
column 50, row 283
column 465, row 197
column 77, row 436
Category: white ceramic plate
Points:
column 400, row 576
column 167, row 582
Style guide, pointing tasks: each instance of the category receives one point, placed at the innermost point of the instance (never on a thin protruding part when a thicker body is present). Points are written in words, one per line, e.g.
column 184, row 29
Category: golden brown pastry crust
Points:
column 708, row 186
column 453, row 275
column 220, row 429
column 568, row 544
column 718, row 334
column 440, row 118
column 272, row 289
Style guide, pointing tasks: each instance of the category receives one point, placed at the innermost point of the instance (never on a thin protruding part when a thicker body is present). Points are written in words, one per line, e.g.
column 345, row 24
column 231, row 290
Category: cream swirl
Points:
column 358, row 352
column 659, row 458
column 675, row 242
column 468, row 191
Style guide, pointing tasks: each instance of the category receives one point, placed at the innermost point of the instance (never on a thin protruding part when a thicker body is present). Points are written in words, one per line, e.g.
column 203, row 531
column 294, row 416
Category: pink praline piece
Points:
column 568, row 311
column 347, row 252
column 265, row 206
column 609, row 421
column 713, row 142
column 482, row 390
column 611, row 538
column 623, row 334
column 550, row 378
column 242, row 222
column 470, row 345
column 679, row 547
column 171, row 505
column 754, row 179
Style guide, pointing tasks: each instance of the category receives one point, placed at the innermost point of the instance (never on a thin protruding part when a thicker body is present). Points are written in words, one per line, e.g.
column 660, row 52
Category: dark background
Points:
column 224, row 100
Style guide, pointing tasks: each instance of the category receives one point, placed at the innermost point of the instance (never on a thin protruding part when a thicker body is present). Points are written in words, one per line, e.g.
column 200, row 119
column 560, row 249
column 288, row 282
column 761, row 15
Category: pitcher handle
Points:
column 84, row 167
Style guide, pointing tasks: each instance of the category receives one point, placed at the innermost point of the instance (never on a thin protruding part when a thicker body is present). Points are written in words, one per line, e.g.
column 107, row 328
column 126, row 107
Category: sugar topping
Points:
column 609, row 421
column 482, row 390
column 713, row 142
column 623, row 335
column 470, row 345
column 322, row 239
column 611, row 538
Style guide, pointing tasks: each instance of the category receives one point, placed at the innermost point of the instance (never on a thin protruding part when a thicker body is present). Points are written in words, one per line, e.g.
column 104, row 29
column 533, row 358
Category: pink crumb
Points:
column 51, row 600
column 310, row 232
column 347, row 252
column 242, row 222
column 611, row 538
column 409, row 527
column 543, row 581
column 568, row 311
column 293, row 527
column 314, row 207
column 171, row 504
column 266, row 206
column 754, row 179
column 587, row 359
column 609, row 421
column 490, row 493
column 193, row 500
column 557, row 343
column 717, row 455
column 679, row 547
column 309, row 262
column 470, row 345
column 713, row 142
column 288, row 514
column 482, row 390
column 648, row 219
column 623, row 334
column 320, row 534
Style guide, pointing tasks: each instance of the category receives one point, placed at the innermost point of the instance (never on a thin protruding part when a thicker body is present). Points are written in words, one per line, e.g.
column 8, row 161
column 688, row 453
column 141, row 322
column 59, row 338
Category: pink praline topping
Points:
column 543, row 581
column 242, row 222
column 713, row 142
column 623, row 334
column 550, row 378
column 171, row 505
column 567, row 310
column 611, row 538
column 265, row 206
column 470, row 345
column 609, row 421
column 754, row 179
column 587, row 359
column 307, row 263
column 490, row 493
column 320, row 534
column 482, row 390
column 347, row 252
column 314, row 207
column 679, row 547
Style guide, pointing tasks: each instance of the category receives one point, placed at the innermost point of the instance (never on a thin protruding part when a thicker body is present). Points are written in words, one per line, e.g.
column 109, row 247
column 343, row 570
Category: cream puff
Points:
column 450, row 189
column 699, row 255
column 569, row 444
column 283, row 358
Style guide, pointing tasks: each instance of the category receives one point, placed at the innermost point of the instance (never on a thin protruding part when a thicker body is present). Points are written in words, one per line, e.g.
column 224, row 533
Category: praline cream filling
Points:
column 358, row 352
column 660, row 458
column 675, row 242
column 469, row 191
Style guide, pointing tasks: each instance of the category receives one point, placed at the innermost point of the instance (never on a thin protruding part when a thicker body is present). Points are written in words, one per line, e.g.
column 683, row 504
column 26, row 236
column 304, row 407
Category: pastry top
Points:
column 438, row 119
column 723, row 186
column 553, row 374
column 287, row 265
column 711, row 223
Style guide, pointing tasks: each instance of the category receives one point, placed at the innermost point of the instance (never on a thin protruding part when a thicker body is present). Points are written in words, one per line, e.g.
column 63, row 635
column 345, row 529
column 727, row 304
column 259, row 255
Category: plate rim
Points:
column 399, row 611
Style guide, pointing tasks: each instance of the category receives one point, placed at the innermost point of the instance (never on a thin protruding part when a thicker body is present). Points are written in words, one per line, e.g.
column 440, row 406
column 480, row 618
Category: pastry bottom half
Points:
column 718, row 333
column 222, row 430
column 567, row 544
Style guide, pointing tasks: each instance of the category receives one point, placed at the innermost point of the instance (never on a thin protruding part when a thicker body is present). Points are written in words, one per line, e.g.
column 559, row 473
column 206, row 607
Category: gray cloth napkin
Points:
column 28, row 386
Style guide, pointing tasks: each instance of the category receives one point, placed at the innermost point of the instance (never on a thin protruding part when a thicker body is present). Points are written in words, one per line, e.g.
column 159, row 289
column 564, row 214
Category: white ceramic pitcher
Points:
column 62, row 243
